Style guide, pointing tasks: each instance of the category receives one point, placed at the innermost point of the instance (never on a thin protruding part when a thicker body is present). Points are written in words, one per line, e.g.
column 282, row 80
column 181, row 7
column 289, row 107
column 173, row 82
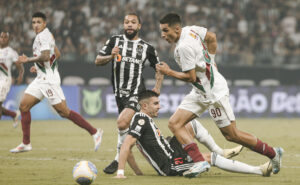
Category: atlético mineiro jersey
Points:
column 191, row 53
column 128, row 66
column 8, row 56
column 46, row 71
column 151, row 143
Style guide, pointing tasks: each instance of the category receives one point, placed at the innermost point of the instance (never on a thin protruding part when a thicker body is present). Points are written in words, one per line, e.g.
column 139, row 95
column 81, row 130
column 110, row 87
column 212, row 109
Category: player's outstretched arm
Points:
column 20, row 68
column 159, row 77
column 132, row 163
column 124, row 153
column 188, row 76
column 44, row 57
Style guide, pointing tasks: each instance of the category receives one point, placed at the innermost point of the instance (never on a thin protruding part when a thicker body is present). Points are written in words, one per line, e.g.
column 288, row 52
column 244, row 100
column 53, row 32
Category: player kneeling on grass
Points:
column 167, row 156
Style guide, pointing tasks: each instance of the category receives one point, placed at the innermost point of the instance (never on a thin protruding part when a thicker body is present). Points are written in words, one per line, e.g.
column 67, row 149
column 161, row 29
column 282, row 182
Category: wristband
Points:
column 120, row 172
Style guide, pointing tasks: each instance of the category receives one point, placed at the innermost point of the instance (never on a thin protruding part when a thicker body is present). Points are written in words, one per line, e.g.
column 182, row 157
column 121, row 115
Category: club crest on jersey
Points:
column 141, row 122
column 139, row 49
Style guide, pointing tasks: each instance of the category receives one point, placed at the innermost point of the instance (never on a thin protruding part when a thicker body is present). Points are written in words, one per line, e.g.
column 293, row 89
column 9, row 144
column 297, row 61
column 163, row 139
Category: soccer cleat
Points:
column 111, row 168
column 197, row 169
column 98, row 138
column 21, row 148
column 276, row 161
column 266, row 169
column 16, row 119
column 229, row 153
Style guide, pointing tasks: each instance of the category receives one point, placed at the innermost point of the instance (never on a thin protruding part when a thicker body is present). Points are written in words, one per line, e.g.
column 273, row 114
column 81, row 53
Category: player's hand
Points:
column 22, row 59
column 163, row 68
column 119, row 176
column 33, row 69
column 115, row 51
column 157, row 91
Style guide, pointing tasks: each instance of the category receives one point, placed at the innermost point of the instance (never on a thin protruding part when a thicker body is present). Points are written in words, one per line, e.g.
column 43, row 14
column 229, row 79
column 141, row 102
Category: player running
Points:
column 167, row 156
column 8, row 57
column 194, row 53
column 47, row 84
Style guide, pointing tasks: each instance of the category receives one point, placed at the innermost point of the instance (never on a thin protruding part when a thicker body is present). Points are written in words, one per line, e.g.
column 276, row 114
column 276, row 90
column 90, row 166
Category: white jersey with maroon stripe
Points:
column 7, row 57
column 191, row 53
column 46, row 71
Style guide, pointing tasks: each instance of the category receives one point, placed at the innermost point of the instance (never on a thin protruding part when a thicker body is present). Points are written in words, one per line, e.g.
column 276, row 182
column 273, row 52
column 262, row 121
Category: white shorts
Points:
column 52, row 92
column 5, row 84
column 220, row 111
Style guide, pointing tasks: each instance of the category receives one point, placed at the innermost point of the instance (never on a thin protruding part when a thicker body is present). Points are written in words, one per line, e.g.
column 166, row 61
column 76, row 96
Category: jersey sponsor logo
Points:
column 131, row 60
column 141, row 122
column 91, row 102
column 138, row 128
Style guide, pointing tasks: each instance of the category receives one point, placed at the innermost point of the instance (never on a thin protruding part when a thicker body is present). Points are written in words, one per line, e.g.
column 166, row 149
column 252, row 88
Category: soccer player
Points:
column 47, row 84
column 128, row 54
column 194, row 52
column 8, row 56
column 167, row 156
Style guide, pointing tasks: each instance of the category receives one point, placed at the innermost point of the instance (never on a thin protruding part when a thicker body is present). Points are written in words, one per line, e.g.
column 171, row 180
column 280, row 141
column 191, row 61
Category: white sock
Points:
column 203, row 136
column 233, row 166
column 121, row 136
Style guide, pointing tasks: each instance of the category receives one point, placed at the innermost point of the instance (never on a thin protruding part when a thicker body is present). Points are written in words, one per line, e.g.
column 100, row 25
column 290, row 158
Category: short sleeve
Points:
column 107, row 48
column 138, row 125
column 201, row 31
column 152, row 56
column 187, row 57
column 45, row 42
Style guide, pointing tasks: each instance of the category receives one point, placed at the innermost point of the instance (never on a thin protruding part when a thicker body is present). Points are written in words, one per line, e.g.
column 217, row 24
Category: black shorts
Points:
column 128, row 102
column 181, row 161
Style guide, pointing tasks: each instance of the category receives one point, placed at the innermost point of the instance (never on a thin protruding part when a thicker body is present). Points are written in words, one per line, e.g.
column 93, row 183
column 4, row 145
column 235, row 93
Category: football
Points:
column 84, row 172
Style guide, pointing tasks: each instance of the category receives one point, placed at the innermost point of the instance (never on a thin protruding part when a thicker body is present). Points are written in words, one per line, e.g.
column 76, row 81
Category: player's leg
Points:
column 128, row 109
column 27, row 102
column 0, row 110
column 14, row 115
column 223, row 115
column 202, row 135
column 236, row 166
column 57, row 99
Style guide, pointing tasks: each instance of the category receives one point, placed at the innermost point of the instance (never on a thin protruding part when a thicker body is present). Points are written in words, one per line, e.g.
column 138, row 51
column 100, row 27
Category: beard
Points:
column 131, row 35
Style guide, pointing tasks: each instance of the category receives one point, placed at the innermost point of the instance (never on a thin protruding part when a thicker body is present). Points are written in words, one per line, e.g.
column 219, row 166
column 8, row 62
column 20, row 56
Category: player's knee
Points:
column 63, row 114
column 232, row 137
column 173, row 125
column 24, row 107
column 122, row 124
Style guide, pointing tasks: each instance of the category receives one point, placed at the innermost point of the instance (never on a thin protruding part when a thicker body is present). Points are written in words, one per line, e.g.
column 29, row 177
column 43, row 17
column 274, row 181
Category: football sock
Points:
column 193, row 151
column 265, row 149
column 203, row 136
column 26, row 120
column 121, row 137
column 7, row 112
column 81, row 122
column 232, row 165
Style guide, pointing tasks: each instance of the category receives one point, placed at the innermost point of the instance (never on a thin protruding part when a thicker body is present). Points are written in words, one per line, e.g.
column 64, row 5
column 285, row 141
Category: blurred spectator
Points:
column 250, row 32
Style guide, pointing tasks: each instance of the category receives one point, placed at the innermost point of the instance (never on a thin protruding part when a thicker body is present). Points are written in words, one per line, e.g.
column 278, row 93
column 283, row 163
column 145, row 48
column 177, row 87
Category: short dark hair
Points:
column 146, row 94
column 135, row 14
column 170, row 19
column 39, row 14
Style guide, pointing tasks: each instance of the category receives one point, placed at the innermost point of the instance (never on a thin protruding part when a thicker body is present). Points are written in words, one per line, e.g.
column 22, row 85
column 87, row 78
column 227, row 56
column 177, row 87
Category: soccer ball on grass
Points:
column 84, row 172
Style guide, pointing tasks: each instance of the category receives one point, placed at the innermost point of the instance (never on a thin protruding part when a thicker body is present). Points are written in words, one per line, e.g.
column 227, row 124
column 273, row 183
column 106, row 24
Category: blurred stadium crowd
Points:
column 250, row 32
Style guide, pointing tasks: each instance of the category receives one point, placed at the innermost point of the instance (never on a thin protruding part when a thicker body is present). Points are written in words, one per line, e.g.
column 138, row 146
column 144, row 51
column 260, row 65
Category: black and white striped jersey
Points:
column 127, row 68
column 167, row 159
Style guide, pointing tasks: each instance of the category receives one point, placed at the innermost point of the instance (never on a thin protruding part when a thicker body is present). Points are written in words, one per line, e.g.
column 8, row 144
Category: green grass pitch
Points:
column 59, row 145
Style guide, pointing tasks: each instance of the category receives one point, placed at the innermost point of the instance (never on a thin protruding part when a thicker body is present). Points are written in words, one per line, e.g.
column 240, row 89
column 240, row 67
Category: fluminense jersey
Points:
column 7, row 57
column 46, row 71
column 191, row 53
column 127, row 68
